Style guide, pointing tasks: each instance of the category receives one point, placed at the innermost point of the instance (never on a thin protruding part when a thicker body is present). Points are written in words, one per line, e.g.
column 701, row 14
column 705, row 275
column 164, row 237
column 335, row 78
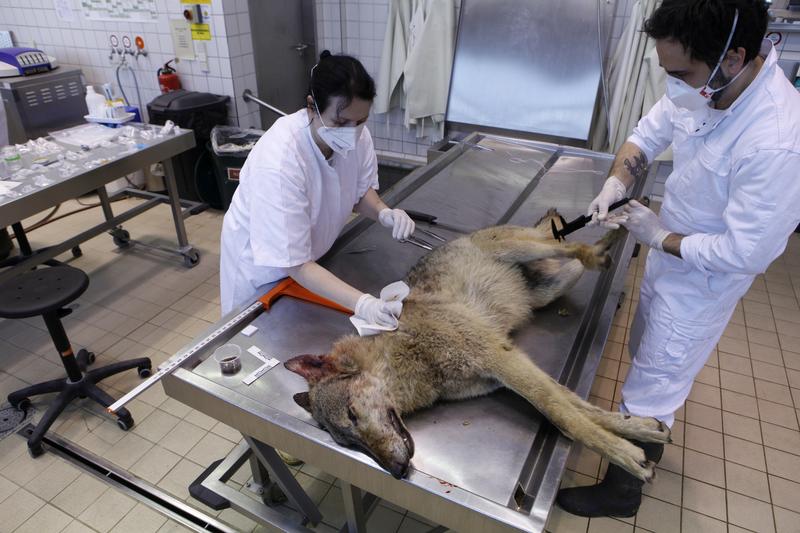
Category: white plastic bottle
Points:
column 96, row 103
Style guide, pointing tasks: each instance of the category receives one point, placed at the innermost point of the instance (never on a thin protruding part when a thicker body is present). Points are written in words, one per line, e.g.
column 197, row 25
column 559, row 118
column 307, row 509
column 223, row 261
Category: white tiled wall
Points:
column 85, row 44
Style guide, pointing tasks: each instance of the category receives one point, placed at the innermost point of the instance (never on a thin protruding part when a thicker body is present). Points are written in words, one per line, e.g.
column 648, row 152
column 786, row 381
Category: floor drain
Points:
column 11, row 418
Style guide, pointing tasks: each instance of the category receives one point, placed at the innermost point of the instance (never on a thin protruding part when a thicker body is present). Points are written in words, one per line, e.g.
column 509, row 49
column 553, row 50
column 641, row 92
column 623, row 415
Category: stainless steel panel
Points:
column 527, row 65
column 490, row 463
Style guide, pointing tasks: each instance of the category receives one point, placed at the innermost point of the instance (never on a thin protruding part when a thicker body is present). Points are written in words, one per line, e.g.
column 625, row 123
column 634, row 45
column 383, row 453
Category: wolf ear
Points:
column 302, row 399
column 311, row 367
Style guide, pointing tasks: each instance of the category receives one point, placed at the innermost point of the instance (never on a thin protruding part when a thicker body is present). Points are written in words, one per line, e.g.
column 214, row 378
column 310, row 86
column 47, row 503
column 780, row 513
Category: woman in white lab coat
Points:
column 297, row 189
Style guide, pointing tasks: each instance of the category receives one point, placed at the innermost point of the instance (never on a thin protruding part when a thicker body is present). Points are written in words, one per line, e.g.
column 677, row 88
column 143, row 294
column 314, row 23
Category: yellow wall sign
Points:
column 201, row 32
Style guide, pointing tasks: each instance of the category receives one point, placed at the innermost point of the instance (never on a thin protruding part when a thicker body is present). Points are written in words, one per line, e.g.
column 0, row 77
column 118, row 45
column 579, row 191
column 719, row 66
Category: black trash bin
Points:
column 230, row 147
column 200, row 112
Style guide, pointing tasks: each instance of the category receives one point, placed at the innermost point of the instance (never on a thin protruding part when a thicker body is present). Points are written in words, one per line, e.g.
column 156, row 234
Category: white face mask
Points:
column 341, row 140
column 685, row 96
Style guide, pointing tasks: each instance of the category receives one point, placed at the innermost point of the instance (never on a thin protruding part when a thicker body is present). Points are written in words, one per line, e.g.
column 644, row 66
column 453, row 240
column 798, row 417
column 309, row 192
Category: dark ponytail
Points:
column 339, row 75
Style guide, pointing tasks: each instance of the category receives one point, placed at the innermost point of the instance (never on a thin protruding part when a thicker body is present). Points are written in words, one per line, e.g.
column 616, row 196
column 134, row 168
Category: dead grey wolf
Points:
column 453, row 343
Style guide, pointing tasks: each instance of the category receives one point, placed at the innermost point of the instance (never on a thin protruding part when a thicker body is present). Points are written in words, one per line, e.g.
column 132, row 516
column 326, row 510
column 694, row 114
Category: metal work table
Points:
column 31, row 197
column 486, row 464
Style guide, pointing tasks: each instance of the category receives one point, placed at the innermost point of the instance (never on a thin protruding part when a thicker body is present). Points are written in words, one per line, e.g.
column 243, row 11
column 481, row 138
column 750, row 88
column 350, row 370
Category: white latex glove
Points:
column 643, row 224
column 397, row 219
column 375, row 311
column 613, row 191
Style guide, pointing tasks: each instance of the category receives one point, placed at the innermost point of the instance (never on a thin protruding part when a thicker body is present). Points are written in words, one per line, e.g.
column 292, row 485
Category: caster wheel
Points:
column 122, row 238
column 35, row 450
column 91, row 358
column 191, row 259
column 125, row 423
column 145, row 372
column 77, row 252
column 23, row 405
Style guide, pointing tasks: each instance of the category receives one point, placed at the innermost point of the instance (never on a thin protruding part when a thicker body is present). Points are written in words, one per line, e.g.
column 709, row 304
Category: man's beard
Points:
column 719, row 80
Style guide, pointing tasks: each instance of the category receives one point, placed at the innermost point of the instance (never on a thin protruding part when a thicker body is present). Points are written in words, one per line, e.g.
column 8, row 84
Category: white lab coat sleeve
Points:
column 761, row 214
column 368, row 164
column 280, row 222
column 653, row 133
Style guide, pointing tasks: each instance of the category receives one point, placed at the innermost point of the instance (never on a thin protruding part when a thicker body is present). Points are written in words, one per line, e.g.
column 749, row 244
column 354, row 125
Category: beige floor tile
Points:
column 773, row 392
column 603, row 388
column 608, row 368
column 175, row 408
column 785, row 493
column 789, row 343
column 140, row 519
column 734, row 346
column 745, row 453
column 104, row 513
column 705, row 394
column 129, row 450
column 678, row 433
column 704, row 468
column 672, row 460
column 156, row 425
column 704, row 440
column 747, row 481
column 766, row 323
column 741, row 404
column 182, row 438
column 607, row 525
column 791, row 359
column 25, row 468
column 781, row 438
column 741, row 426
column 659, row 517
column 794, row 378
column 7, row 488
column 53, row 479
column 737, row 382
column 786, row 521
column 200, row 420
column 782, row 464
column 704, row 498
column 667, row 487
column 764, row 338
column 735, row 331
column 751, row 307
column 778, row 414
column 755, row 295
column 692, row 522
column 704, row 416
column 708, row 375
column 768, row 354
column 750, row 513
column 177, row 480
column 769, row 372
column 210, row 448
column 157, row 463
column 226, row 432
column 79, row 494
column 584, row 460
column 76, row 526
column 47, row 519
column 17, row 508
column 735, row 363
column 173, row 527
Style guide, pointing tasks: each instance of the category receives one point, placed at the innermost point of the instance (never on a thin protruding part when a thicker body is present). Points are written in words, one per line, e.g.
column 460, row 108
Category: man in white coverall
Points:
column 730, row 205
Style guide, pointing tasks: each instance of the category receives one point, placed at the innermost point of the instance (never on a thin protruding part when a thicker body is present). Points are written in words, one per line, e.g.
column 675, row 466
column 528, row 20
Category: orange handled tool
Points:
column 289, row 287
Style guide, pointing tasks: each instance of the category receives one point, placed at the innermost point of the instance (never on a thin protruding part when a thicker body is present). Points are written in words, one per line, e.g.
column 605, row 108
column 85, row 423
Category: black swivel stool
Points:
column 45, row 292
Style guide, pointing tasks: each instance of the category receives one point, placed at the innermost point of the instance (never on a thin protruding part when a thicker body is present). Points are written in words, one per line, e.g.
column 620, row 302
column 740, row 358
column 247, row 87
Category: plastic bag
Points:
column 230, row 140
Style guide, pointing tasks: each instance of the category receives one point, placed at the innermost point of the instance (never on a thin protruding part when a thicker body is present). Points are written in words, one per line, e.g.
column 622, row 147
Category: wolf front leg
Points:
column 516, row 371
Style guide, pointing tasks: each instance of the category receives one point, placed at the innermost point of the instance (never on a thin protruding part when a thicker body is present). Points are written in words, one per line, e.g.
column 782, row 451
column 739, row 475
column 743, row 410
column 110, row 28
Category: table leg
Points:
column 190, row 256
column 354, row 508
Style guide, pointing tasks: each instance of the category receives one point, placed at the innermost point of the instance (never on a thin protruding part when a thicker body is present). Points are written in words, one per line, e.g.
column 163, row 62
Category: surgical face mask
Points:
column 341, row 140
column 685, row 96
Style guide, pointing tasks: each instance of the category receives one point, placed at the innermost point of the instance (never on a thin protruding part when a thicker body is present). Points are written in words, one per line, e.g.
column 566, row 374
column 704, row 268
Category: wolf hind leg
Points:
column 516, row 371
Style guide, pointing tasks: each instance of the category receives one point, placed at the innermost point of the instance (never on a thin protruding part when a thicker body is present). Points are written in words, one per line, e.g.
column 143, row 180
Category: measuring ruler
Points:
column 170, row 365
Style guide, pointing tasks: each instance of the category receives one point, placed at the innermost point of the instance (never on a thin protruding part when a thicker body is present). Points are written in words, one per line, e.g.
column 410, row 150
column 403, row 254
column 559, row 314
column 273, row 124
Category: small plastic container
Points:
column 11, row 159
column 229, row 358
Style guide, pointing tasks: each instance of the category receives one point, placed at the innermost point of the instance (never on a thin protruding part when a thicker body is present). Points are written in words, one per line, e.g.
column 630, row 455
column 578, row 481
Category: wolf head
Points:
column 354, row 407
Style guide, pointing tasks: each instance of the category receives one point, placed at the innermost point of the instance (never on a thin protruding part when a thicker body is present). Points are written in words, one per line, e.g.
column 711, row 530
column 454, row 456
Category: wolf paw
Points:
column 647, row 429
column 638, row 465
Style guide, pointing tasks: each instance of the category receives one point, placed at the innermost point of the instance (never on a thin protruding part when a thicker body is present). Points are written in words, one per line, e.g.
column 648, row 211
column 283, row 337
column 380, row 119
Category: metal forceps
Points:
column 416, row 241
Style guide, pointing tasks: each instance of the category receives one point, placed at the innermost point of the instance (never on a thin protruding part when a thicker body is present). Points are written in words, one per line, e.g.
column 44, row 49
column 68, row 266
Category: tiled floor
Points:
column 733, row 466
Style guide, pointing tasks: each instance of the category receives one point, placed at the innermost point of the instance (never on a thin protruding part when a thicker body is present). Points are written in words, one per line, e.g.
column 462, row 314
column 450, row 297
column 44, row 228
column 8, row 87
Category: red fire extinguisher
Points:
column 168, row 79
